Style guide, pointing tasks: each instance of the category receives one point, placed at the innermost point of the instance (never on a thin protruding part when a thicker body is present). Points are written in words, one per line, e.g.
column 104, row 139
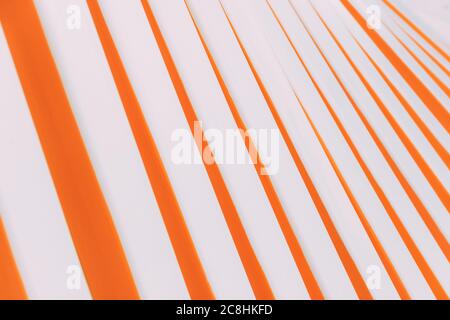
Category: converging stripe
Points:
column 85, row 209
column 224, row 149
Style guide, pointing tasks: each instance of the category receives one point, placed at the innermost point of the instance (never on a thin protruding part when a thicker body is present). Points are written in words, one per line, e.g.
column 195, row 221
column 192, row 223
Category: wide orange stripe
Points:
column 350, row 266
column 289, row 234
column 11, row 285
column 438, row 147
column 396, row 280
column 433, row 104
column 407, row 239
column 85, row 209
column 416, row 29
column 432, row 226
column 428, row 71
column 253, row 269
column 187, row 256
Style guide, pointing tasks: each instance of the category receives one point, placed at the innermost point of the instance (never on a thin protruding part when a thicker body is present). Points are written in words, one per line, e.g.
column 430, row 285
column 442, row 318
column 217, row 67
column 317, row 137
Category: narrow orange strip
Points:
column 427, row 52
column 396, row 280
column 410, row 77
column 428, row 71
column 302, row 263
column 416, row 29
column 11, row 285
column 367, row 227
column 426, row 217
column 434, row 181
column 438, row 147
column 254, row 271
column 187, row 256
column 350, row 266
column 95, row 238
column 407, row 239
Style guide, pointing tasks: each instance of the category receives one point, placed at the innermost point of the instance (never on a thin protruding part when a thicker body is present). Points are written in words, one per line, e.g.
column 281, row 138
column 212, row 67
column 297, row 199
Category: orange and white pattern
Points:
column 93, row 205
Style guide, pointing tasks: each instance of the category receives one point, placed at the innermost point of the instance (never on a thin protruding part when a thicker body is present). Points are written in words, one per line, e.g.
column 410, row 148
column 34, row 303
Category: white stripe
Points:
column 322, row 174
column 242, row 181
column 384, row 33
column 428, row 30
column 421, row 55
column 113, row 151
column 355, row 177
column 288, row 183
column 386, row 95
column 418, row 183
column 164, row 114
column 437, row 55
column 37, row 231
column 391, row 187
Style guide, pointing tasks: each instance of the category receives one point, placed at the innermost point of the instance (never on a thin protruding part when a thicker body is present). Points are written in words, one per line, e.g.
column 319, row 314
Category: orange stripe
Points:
column 187, row 256
column 375, row 241
column 416, row 29
column 11, row 285
column 427, row 52
column 289, row 234
column 396, row 280
column 438, row 147
column 85, row 209
column 422, row 91
column 432, row 226
column 350, row 266
column 434, row 181
column 409, row 242
column 430, row 73
column 254, row 271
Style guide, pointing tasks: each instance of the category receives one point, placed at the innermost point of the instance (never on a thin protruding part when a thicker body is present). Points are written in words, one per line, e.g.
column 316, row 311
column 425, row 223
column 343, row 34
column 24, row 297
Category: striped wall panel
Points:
column 221, row 149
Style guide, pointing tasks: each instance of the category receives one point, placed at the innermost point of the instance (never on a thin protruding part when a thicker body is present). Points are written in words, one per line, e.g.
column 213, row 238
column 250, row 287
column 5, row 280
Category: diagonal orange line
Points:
column 410, row 77
column 416, row 29
column 430, row 73
column 407, row 239
column 432, row 226
column 289, row 234
column 254, row 271
column 370, row 232
column 187, row 256
column 438, row 147
column 11, row 285
column 427, row 52
column 434, row 181
column 350, row 266
column 85, row 209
